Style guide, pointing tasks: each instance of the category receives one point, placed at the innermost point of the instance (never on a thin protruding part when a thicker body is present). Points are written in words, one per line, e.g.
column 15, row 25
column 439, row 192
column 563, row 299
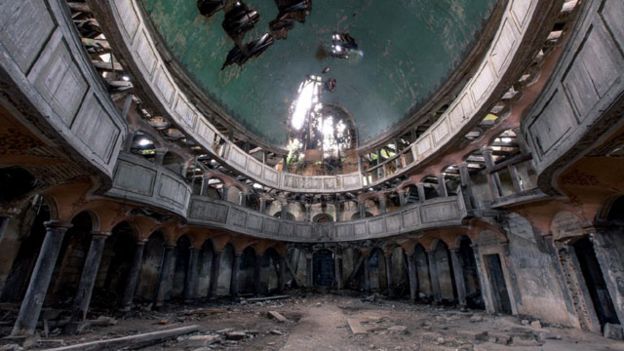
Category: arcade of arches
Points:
column 129, row 178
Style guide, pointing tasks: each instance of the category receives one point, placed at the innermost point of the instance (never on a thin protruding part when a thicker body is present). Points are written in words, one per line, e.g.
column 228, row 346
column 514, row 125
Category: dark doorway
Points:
column 468, row 264
column 497, row 281
column 323, row 268
column 595, row 282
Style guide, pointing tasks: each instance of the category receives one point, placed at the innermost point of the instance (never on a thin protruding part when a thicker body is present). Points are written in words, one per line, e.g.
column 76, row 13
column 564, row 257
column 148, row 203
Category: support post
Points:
column 421, row 192
column 309, row 270
column 413, row 277
column 190, row 284
column 281, row 274
column 87, row 281
column 442, row 190
column 40, row 279
column 389, row 280
column 382, row 203
column 493, row 178
column 214, row 274
column 258, row 275
column 338, row 270
column 234, row 277
column 433, row 274
column 133, row 277
column 367, row 285
column 458, row 273
column 466, row 184
column 166, row 275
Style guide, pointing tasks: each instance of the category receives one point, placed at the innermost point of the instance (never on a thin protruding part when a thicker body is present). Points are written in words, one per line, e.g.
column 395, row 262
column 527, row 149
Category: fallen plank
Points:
column 356, row 327
column 132, row 341
column 277, row 316
column 268, row 298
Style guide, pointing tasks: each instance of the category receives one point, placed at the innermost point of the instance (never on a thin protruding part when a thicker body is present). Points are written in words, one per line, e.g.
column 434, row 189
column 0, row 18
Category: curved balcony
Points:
column 585, row 93
column 59, row 91
column 131, row 36
column 141, row 181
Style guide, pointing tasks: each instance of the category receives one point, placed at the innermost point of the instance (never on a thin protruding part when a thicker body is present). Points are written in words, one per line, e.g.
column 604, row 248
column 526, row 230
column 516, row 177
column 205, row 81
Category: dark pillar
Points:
column 284, row 210
column 308, row 212
column 224, row 192
column 190, row 284
column 433, row 274
column 257, row 275
column 515, row 179
column 413, row 277
column 442, row 191
column 214, row 275
column 234, row 278
column 281, row 274
column 40, row 279
column 338, row 206
column 4, row 223
column 262, row 205
column 338, row 270
column 382, row 203
column 166, row 275
column 466, row 185
column 402, row 198
column 309, row 270
column 389, row 281
column 133, row 277
column 458, row 273
column 493, row 178
column 362, row 208
column 367, row 286
column 87, row 280
column 421, row 192
column 486, row 293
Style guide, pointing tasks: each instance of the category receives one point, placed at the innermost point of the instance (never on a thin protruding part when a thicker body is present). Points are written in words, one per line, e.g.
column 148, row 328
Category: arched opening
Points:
column 595, row 282
column 284, row 215
column 444, row 272
column 452, row 180
column 225, row 271
column 205, row 268
column 182, row 254
column 15, row 182
column 68, row 268
column 246, row 269
column 324, row 269
column 468, row 264
column 422, row 273
column 115, row 266
column 30, row 242
column 377, row 271
column 151, row 267
column 323, row 218
column 213, row 189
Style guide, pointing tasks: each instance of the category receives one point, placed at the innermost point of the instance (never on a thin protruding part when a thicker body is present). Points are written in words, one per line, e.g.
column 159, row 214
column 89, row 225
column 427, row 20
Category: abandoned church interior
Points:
column 298, row 175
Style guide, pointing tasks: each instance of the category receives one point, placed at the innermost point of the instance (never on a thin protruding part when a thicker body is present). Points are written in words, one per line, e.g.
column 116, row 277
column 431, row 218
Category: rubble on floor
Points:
column 322, row 322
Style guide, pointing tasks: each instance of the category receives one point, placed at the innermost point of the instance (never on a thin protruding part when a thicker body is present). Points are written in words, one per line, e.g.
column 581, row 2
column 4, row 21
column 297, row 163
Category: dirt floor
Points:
column 329, row 322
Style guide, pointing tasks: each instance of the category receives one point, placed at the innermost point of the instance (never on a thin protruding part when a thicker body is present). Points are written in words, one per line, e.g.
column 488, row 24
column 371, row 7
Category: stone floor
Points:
column 329, row 322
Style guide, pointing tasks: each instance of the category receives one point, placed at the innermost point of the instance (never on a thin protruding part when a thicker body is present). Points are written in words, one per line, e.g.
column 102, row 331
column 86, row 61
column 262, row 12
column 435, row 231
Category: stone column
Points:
column 442, row 190
column 389, row 280
column 367, row 285
column 362, row 209
column 413, row 277
column 262, row 205
column 421, row 192
column 607, row 244
column 133, row 277
column 338, row 206
column 338, row 270
column 214, row 274
column 234, row 277
column 224, row 192
column 4, row 223
column 458, row 274
column 40, row 279
column 166, row 275
column 382, row 203
column 433, row 274
column 486, row 293
column 281, row 274
column 258, row 275
column 190, row 284
column 402, row 197
column 493, row 178
column 309, row 270
column 466, row 184
column 515, row 179
column 87, row 280
column 308, row 212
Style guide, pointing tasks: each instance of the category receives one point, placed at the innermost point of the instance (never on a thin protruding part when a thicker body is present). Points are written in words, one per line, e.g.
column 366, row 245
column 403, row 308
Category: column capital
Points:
column 54, row 223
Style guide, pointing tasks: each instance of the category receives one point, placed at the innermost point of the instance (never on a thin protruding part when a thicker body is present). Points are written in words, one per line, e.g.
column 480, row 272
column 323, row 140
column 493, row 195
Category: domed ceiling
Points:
column 407, row 50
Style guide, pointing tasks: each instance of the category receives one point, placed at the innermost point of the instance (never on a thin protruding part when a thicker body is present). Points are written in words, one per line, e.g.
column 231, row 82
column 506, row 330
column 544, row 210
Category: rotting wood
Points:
column 277, row 316
column 132, row 341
